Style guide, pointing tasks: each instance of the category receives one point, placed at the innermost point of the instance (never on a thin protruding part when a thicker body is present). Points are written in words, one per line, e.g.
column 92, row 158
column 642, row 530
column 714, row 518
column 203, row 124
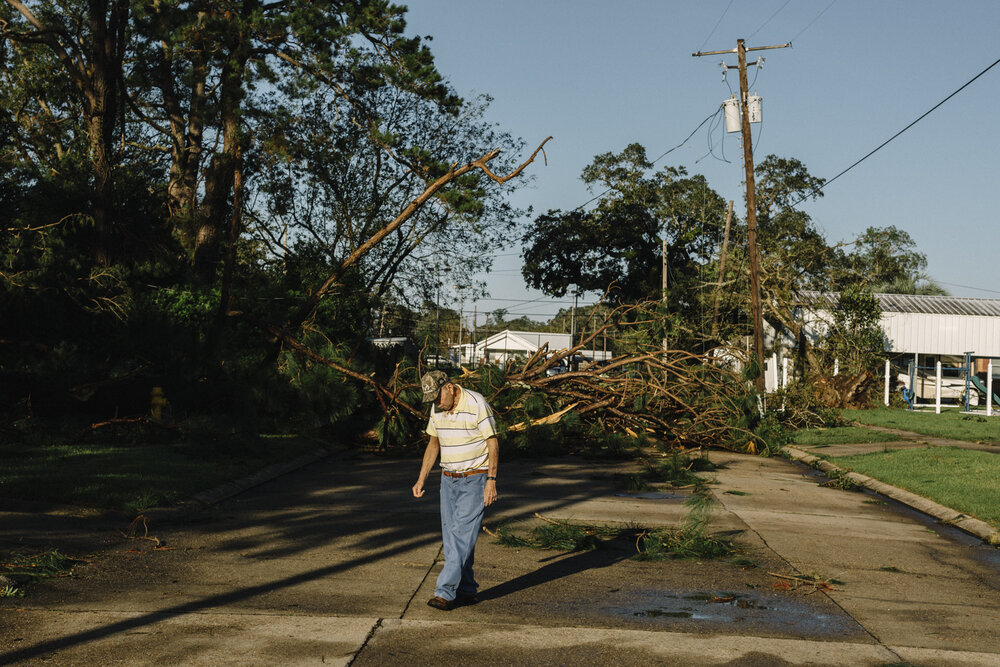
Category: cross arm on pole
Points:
column 736, row 50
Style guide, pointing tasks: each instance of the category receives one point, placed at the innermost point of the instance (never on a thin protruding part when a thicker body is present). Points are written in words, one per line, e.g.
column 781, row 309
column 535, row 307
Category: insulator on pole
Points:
column 754, row 108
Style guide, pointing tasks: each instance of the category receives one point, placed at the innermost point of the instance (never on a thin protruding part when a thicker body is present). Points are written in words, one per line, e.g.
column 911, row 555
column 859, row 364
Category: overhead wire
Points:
column 717, row 23
column 658, row 158
column 832, row 3
column 521, row 301
column 654, row 161
column 978, row 289
column 761, row 26
column 820, row 188
column 711, row 146
column 671, row 150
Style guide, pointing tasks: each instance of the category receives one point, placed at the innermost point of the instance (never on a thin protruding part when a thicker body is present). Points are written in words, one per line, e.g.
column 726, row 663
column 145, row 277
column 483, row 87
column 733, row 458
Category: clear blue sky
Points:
column 598, row 75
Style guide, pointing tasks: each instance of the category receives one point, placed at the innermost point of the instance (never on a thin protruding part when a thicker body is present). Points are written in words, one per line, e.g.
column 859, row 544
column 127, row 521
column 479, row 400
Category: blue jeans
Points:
column 462, row 510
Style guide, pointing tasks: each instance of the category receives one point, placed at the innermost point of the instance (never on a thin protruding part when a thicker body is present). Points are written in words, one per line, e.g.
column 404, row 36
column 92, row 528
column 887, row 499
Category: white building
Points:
column 919, row 329
column 922, row 325
column 506, row 345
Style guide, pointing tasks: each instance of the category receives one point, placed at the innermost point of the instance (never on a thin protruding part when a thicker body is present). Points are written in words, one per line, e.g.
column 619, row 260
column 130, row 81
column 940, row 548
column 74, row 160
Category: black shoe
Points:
column 466, row 599
column 441, row 603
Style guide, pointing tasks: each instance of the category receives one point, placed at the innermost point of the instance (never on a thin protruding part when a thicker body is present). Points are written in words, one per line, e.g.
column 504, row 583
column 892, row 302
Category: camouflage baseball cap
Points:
column 431, row 384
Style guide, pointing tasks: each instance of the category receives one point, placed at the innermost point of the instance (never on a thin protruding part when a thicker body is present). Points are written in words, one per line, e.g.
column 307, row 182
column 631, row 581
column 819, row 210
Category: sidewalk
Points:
column 907, row 440
column 333, row 564
column 814, row 455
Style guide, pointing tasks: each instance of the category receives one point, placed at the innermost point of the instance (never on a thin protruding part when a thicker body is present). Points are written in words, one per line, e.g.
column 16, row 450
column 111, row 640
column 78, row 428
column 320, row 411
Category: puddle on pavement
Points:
column 723, row 607
column 696, row 606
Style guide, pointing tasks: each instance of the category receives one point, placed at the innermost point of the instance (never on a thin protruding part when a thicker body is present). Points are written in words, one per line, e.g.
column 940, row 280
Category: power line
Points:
column 716, row 26
column 660, row 157
column 978, row 289
column 722, row 143
column 520, row 301
column 667, row 152
column 886, row 142
column 832, row 3
column 761, row 26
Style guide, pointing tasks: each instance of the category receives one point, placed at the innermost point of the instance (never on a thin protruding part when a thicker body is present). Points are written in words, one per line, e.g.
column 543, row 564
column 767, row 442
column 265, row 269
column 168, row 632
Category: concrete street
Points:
column 334, row 563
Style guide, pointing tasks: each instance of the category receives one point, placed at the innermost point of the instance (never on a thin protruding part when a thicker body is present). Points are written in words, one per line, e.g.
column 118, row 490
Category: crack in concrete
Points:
column 935, row 555
column 371, row 633
column 406, row 607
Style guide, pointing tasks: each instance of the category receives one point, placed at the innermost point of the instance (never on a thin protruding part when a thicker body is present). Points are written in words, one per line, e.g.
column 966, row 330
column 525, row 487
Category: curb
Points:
column 975, row 527
column 200, row 501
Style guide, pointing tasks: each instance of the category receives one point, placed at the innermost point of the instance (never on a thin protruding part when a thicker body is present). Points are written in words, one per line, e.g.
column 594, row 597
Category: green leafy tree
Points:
column 142, row 137
column 855, row 337
column 85, row 44
column 887, row 261
column 330, row 185
column 618, row 242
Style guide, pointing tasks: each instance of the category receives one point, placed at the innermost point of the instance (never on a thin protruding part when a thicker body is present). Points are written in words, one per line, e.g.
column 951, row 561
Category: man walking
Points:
column 463, row 432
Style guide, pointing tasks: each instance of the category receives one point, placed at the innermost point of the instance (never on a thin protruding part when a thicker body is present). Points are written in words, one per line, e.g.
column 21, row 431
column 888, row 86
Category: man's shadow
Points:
column 606, row 554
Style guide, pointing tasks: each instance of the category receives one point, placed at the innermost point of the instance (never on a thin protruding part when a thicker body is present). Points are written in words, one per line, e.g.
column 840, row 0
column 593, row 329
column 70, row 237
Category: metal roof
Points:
column 915, row 303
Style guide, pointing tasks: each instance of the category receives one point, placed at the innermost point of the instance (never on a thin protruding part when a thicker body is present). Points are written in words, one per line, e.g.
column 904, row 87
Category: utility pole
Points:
column 572, row 332
column 755, row 309
column 663, row 289
column 722, row 272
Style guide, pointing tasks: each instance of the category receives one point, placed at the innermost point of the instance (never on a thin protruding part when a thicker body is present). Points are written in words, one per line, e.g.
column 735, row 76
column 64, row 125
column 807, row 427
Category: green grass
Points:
column 43, row 565
column 23, row 568
column 692, row 540
column 840, row 435
column 132, row 478
column 951, row 423
column 679, row 470
column 685, row 543
column 563, row 536
column 962, row 479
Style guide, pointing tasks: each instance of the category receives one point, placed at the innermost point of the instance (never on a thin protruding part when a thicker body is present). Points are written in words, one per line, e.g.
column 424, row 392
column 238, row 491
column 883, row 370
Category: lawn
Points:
column 840, row 435
column 962, row 479
column 951, row 423
column 133, row 477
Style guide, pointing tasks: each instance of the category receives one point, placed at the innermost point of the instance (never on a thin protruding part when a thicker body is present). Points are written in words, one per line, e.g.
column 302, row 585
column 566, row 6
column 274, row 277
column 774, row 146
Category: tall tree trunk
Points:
column 186, row 135
column 211, row 219
column 101, row 103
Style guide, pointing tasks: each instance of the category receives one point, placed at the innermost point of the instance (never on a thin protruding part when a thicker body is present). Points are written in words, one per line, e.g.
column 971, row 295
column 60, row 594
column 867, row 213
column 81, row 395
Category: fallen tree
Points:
column 673, row 397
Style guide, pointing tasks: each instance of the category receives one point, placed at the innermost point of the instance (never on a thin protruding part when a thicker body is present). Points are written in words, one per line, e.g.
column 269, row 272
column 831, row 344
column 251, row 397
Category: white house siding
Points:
column 556, row 341
column 942, row 334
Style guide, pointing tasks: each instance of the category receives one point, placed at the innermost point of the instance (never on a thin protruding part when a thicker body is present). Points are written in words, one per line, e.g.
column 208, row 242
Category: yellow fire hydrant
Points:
column 157, row 401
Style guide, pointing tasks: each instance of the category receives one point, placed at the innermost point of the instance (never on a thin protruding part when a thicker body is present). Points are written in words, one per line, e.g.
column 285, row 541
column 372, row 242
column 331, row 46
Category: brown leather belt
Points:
column 448, row 473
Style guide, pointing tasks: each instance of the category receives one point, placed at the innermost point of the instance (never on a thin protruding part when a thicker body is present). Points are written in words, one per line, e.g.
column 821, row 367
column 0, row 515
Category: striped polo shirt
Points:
column 462, row 432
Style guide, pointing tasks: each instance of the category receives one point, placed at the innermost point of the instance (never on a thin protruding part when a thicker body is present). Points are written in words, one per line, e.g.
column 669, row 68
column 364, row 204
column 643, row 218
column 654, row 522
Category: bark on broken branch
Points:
column 309, row 307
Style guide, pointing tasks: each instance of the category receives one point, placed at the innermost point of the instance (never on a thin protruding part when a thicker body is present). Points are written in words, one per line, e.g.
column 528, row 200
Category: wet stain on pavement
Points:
column 781, row 614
